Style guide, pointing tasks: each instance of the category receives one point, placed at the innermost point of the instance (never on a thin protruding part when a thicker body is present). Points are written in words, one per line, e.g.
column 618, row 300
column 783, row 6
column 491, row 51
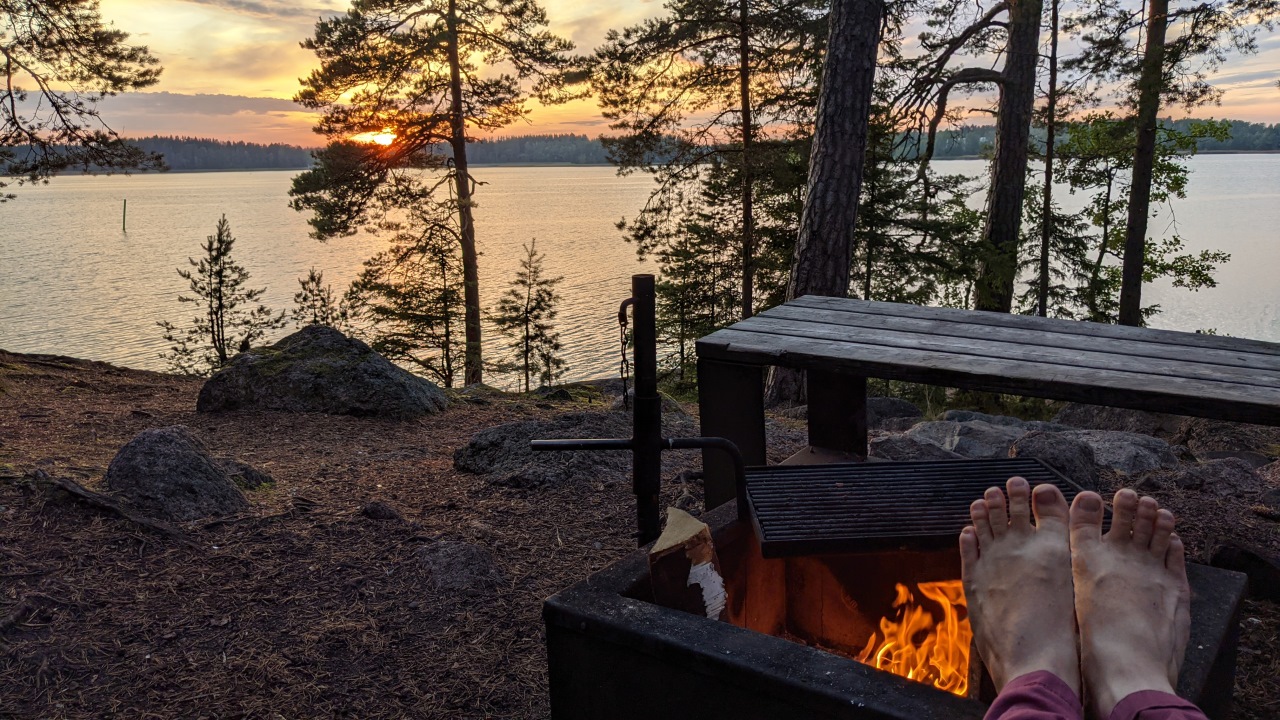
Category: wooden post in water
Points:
column 124, row 216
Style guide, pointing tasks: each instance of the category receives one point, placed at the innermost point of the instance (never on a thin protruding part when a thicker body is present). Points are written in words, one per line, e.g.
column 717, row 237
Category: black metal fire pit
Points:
column 614, row 654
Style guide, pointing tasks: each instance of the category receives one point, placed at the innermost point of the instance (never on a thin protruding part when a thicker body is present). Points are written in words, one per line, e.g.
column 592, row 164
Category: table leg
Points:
column 837, row 411
column 731, row 405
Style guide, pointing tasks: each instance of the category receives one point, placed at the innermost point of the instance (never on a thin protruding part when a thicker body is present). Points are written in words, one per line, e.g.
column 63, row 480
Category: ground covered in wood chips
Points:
column 305, row 607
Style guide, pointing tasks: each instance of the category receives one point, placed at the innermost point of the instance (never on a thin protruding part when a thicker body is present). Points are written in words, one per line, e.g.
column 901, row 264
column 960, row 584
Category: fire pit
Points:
column 795, row 626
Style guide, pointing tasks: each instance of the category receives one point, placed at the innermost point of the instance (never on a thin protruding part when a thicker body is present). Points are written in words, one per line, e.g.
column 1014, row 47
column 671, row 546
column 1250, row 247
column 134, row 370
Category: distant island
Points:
column 187, row 154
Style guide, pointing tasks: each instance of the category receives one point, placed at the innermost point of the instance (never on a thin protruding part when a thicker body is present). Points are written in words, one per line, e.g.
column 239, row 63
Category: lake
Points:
column 72, row 283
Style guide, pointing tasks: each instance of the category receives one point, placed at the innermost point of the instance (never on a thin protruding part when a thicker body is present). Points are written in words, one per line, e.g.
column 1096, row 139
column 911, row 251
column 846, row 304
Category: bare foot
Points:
column 1017, row 579
column 1132, row 597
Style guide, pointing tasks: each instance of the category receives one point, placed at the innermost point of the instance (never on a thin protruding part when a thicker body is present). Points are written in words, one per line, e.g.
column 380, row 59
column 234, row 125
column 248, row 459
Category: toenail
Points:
column 1090, row 503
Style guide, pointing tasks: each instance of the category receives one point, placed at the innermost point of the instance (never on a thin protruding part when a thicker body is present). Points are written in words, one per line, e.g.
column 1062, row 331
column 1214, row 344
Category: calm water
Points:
column 72, row 283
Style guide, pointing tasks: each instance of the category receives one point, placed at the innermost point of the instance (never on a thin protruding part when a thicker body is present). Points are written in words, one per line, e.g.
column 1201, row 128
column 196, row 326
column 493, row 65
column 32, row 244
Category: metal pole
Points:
column 647, row 440
column 124, row 216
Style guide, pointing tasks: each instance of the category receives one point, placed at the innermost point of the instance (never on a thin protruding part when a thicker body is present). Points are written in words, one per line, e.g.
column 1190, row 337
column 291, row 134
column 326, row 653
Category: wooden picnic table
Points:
column 840, row 342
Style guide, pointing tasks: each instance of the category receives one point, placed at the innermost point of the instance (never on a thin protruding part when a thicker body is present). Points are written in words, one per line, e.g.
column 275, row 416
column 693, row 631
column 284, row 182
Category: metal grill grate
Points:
column 872, row 507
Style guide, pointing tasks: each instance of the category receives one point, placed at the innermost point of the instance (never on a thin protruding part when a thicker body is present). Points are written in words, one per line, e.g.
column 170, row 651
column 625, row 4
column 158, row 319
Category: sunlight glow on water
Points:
column 72, row 283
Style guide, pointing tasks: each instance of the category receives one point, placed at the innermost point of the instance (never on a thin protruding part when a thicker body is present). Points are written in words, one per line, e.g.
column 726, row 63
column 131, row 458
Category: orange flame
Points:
column 916, row 646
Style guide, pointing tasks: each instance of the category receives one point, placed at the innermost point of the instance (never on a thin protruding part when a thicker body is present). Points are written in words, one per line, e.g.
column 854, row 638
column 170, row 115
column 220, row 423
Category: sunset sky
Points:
column 231, row 67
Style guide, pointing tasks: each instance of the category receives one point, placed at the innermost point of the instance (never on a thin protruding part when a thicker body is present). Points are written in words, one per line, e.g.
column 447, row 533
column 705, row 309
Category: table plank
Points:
column 819, row 325
column 1120, row 388
column 858, row 319
column 1070, row 327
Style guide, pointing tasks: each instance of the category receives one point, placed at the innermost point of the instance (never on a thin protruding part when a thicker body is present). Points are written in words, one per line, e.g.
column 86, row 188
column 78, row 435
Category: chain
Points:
column 626, row 364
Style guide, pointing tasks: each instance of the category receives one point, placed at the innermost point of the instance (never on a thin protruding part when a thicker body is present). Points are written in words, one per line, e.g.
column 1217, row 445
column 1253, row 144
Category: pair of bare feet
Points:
column 1057, row 594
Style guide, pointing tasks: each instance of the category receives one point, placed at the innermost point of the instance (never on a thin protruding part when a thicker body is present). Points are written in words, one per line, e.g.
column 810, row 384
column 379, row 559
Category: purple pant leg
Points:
column 1039, row 695
column 1154, row 705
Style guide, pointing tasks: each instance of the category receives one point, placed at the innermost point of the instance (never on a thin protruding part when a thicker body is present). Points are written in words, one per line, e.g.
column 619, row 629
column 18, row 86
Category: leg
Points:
column 1133, row 605
column 731, row 398
column 837, row 411
column 1017, row 579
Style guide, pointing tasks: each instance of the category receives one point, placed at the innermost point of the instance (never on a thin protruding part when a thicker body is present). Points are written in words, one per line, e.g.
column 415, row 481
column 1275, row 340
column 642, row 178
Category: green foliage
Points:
column 1096, row 158
column 525, row 313
column 228, row 321
column 411, row 296
column 60, row 60
column 314, row 303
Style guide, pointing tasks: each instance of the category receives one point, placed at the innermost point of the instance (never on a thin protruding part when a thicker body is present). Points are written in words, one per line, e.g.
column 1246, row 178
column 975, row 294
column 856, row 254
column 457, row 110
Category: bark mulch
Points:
column 306, row 607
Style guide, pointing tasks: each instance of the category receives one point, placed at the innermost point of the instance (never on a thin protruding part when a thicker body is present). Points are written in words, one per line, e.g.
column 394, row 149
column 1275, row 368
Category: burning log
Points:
column 684, row 569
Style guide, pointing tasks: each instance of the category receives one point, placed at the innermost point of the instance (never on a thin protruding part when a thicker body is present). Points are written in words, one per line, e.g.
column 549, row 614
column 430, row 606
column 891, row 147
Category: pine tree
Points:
column 314, row 303
column 73, row 59
column 413, row 74
column 412, row 298
column 228, row 322
column 525, row 314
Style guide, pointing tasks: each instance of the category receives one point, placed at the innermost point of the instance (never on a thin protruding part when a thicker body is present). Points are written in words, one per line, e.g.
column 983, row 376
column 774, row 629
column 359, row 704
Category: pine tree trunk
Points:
column 748, row 212
column 1051, row 125
column 1144, row 155
column 1003, row 224
column 824, row 248
column 473, row 360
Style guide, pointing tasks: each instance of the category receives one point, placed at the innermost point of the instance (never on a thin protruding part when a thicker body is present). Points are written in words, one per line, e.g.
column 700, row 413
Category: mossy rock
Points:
column 318, row 369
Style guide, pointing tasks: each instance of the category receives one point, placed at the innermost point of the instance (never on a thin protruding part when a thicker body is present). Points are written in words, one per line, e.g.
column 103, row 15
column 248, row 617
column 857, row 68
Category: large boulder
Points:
column 974, row 439
column 318, row 369
column 1229, row 477
column 1100, row 417
column 902, row 448
column 1068, row 455
column 1127, row 452
column 883, row 412
column 167, row 472
column 1004, row 420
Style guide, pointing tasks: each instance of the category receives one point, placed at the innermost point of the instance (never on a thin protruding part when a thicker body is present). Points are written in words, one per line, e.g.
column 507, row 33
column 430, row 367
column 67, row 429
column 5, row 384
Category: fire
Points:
column 916, row 646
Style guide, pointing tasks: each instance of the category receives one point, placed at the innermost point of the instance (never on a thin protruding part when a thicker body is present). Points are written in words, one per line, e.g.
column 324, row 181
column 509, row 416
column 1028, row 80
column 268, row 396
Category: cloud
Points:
column 167, row 103
column 266, row 9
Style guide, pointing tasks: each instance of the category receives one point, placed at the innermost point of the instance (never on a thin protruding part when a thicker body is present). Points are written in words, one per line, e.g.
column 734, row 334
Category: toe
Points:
column 1124, row 509
column 968, row 550
column 1145, row 524
column 1048, row 505
column 1160, row 539
column 996, row 510
column 1019, row 504
column 981, row 521
column 1086, row 520
column 1175, row 558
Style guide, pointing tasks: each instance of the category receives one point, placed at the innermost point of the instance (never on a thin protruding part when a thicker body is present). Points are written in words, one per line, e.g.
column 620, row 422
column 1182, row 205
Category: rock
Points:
column 974, row 439
column 1004, row 420
column 1068, row 455
column 459, row 568
column 318, row 369
column 1204, row 436
column 168, row 473
column 503, row 453
column 1126, row 452
column 1270, row 499
column 898, row 424
column 1255, row 459
column 243, row 475
column 558, row 394
column 669, row 404
column 884, row 409
column 1184, row 454
column 1098, row 417
column 1229, row 477
column 1270, row 473
column 378, row 510
column 907, row 447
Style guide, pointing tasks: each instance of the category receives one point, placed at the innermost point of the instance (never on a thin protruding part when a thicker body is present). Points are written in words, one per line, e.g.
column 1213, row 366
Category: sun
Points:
column 382, row 137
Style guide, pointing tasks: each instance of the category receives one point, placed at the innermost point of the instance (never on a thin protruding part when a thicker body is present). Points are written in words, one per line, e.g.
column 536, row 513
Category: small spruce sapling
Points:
column 228, row 321
column 314, row 303
column 525, row 314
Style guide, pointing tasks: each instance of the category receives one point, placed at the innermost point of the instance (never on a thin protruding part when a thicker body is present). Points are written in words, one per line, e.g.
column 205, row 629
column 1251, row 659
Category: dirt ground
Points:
column 304, row 607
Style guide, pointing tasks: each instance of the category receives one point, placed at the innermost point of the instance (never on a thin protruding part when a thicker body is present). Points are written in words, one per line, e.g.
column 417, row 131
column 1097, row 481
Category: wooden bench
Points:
column 839, row 343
